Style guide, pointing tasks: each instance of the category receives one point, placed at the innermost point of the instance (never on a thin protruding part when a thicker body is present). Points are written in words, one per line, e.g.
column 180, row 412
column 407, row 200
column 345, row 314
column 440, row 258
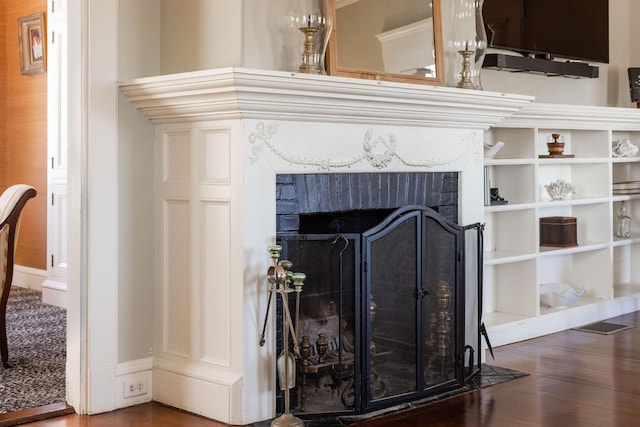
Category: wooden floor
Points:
column 576, row 379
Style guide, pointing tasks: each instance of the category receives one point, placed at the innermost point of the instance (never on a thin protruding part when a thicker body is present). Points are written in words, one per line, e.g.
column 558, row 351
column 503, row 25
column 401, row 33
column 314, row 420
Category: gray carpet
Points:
column 37, row 351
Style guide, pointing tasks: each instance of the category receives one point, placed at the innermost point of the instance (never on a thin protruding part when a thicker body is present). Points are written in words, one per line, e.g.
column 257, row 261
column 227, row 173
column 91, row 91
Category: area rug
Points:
column 603, row 328
column 36, row 334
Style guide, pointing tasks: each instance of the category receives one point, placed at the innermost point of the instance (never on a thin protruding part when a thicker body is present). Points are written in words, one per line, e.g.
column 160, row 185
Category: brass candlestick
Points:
column 310, row 64
column 443, row 323
column 465, row 75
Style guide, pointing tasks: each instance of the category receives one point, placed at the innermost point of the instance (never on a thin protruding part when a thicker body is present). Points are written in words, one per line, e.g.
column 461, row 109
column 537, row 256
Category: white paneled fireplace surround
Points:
column 222, row 136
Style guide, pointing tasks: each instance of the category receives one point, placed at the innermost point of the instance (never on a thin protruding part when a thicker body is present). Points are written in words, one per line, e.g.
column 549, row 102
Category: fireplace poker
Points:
column 264, row 325
column 276, row 274
column 298, row 281
column 285, row 305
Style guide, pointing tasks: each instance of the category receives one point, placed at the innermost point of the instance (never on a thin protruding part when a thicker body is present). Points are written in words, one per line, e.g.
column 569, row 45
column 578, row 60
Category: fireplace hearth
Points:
column 384, row 315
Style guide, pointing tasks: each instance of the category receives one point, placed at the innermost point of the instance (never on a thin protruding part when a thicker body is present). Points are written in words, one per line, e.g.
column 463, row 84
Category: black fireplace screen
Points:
column 385, row 313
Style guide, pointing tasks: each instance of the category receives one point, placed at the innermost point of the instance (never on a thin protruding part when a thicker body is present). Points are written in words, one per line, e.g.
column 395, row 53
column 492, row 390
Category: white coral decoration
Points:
column 490, row 150
column 559, row 189
column 625, row 148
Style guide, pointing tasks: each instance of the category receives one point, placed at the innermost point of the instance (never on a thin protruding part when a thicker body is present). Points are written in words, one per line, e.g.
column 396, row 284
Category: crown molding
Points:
column 246, row 93
column 575, row 117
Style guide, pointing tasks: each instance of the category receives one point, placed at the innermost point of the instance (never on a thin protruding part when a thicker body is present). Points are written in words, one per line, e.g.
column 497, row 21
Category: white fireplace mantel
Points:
column 222, row 136
column 230, row 93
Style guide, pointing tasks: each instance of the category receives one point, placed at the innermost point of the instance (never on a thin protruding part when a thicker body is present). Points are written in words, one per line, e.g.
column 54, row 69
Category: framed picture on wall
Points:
column 33, row 46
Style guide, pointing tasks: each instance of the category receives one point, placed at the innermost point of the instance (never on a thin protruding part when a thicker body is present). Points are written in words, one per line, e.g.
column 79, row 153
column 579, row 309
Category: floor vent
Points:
column 603, row 328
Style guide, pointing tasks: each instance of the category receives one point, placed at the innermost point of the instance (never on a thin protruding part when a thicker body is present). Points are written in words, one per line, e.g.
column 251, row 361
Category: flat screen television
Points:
column 569, row 29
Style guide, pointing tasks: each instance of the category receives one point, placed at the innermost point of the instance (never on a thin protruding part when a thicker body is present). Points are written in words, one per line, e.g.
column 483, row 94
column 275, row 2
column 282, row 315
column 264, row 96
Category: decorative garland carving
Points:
column 376, row 150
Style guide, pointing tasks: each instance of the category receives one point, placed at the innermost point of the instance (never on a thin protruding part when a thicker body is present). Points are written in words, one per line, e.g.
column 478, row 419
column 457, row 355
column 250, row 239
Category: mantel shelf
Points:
column 575, row 117
column 245, row 93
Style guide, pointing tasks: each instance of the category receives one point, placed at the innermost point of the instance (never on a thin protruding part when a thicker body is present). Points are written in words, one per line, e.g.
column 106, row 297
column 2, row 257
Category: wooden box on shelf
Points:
column 558, row 231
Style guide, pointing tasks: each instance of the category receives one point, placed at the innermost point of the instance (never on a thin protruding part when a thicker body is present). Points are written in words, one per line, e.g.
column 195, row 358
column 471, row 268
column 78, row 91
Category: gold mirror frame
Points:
column 334, row 69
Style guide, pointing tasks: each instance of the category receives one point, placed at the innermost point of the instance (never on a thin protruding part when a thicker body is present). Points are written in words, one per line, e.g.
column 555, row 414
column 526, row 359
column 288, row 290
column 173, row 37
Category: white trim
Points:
column 54, row 293
column 575, row 116
column 28, row 277
column 136, row 370
column 534, row 327
column 77, row 331
column 101, row 196
column 232, row 93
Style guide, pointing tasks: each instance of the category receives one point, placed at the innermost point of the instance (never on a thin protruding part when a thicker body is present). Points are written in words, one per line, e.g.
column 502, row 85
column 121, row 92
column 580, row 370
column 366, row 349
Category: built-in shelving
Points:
column 515, row 265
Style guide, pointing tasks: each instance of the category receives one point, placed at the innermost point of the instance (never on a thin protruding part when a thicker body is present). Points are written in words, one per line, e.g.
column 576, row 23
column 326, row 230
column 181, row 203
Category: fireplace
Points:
column 382, row 316
column 223, row 138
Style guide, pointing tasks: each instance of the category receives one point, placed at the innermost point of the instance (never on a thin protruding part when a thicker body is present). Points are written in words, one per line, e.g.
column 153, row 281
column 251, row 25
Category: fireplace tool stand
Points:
column 283, row 282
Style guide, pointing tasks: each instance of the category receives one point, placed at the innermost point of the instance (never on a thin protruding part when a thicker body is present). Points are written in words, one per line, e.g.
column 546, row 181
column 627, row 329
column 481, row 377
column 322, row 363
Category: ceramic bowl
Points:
column 560, row 294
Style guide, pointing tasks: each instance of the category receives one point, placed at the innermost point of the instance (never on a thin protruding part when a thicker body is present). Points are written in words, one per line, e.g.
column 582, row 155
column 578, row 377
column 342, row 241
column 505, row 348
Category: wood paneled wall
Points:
column 3, row 87
column 23, row 134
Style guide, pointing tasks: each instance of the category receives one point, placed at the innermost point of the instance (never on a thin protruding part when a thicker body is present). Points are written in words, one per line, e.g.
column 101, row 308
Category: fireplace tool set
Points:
column 284, row 282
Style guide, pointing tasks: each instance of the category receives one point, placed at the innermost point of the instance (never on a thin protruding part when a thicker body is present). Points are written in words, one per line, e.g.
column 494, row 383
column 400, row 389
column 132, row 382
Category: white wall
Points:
column 253, row 38
column 609, row 89
column 557, row 90
column 619, row 53
column 261, row 17
column 634, row 33
column 201, row 34
column 138, row 55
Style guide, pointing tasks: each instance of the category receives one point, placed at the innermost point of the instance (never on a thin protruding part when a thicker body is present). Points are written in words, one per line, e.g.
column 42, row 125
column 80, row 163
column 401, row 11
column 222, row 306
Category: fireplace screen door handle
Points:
column 422, row 292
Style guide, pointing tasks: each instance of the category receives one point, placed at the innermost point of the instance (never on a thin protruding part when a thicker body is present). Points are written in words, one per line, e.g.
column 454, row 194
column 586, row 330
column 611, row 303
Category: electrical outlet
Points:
column 135, row 388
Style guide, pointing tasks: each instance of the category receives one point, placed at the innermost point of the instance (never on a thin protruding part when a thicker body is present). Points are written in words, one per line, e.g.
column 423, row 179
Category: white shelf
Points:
column 625, row 159
column 548, row 203
column 582, row 247
column 572, row 161
column 515, row 265
column 502, row 257
column 496, row 318
column 619, row 241
column 626, row 289
column 621, row 197
column 544, row 310
column 509, row 207
column 508, row 162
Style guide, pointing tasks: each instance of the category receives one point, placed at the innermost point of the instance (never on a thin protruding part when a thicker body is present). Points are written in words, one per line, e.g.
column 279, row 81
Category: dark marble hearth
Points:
column 489, row 375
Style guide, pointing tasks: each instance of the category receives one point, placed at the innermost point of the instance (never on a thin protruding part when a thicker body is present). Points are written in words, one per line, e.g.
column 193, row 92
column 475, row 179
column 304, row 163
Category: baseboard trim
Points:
column 35, row 414
column 28, row 277
column 138, row 372
column 197, row 396
column 54, row 293
column 572, row 317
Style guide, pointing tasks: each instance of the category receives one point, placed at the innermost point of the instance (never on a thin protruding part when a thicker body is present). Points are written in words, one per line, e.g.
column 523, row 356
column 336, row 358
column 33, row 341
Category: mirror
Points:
column 394, row 40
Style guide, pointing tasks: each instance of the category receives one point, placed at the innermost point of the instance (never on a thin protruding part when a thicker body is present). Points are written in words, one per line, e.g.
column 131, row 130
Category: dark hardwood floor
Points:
column 576, row 379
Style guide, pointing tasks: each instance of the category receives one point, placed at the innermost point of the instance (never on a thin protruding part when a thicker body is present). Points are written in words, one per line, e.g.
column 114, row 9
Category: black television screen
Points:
column 570, row 29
